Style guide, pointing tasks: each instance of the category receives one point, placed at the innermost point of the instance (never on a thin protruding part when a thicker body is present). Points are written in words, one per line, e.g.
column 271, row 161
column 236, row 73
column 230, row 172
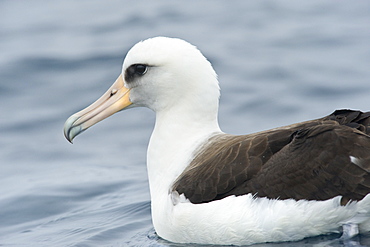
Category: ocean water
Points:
column 278, row 62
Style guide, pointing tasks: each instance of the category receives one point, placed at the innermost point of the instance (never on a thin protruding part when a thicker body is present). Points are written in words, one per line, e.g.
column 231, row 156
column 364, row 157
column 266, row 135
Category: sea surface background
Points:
column 278, row 62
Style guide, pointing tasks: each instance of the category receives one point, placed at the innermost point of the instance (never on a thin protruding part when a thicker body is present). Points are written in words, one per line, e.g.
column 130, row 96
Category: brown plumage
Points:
column 309, row 160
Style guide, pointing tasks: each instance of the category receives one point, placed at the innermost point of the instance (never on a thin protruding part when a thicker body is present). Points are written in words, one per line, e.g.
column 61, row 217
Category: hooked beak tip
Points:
column 71, row 130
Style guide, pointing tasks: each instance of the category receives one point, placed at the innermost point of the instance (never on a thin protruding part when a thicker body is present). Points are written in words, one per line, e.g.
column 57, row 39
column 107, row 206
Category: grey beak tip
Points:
column 70, row 129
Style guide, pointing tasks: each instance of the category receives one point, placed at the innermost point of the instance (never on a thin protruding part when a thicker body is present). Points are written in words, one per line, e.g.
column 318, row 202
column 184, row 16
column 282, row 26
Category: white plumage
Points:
column 181, row 86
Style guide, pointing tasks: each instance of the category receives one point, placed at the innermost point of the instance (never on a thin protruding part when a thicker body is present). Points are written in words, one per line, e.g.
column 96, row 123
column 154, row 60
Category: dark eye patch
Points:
column 135, row 70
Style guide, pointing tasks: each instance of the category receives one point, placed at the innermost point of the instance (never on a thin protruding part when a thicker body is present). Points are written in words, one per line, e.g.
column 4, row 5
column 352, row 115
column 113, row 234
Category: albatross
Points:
column 209, row 187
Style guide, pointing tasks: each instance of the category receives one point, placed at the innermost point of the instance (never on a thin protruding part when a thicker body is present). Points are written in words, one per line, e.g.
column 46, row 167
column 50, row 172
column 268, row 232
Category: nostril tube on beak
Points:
column 113, row 92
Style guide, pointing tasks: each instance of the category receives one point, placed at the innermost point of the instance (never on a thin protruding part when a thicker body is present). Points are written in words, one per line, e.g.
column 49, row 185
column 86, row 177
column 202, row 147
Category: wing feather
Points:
column 310, row 160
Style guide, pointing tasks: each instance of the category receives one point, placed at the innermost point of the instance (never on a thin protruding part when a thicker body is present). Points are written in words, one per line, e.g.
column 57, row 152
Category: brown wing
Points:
column 314, row 160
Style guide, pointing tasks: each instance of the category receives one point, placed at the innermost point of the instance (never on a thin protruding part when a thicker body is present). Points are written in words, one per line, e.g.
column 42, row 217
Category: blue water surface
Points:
column 279, row 62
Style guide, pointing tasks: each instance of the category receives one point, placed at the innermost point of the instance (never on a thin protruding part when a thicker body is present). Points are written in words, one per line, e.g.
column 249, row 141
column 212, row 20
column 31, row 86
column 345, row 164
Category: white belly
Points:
column 246, row 220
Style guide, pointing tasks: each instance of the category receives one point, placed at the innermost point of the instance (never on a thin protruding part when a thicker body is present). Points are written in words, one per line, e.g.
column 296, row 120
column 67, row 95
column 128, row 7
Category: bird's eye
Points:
column 140, row 69
column 135, row 70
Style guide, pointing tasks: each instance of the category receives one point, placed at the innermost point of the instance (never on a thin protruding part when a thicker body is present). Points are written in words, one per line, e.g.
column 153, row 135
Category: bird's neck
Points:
column 176, row 136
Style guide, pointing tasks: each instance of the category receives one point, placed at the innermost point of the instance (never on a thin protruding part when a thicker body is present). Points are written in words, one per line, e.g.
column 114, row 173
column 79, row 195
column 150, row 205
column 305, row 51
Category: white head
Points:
column 176, row 72
column 163, row 74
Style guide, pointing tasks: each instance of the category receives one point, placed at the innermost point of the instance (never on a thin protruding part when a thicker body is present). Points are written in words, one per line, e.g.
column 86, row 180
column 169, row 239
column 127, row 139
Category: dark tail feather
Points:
column 351, row 118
